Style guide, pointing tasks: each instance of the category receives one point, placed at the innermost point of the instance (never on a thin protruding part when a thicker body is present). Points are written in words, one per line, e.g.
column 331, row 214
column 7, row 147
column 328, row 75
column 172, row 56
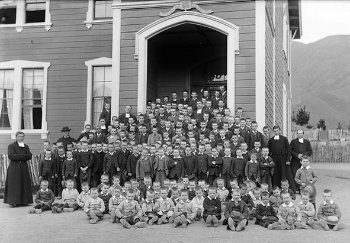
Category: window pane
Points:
column 98, row 89
column 103, row 9
column 35, row 11
column 108, row 89
column 33, row 82
column 6, row 98
column 99, row 74
column 108, row 73
column 8, row 14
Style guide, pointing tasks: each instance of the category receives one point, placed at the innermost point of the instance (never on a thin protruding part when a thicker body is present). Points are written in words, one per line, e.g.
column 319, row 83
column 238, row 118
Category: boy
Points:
column 329, row 213
column 43, row 198
column 266, row 167
column 132, row 161
column 145, row 186
column 276, row 198
column 307, row 210
column 116, row 183
column 221, row 190
column 285, row 188
column 105, row 196
column 306, row 176
column 114, row 201
column 176, row 166
column 191, row 189
column 227, row 167
column 212, row 208
column 252, row 170
column 47, row 169
column 289, row 215
column 69, row 197
column 184, row 212
column 84, row 195
column 236, row 212
column 202, row 163
column 143, row 166
column 148, row 209
column 214, row 166
column 245, row 197
column 94, row 207
column 164, row 207
column 190, row 163
column 69, row 168
column 104, row 181
column 197, row 201
column 110, row 161
column 239, row 166
column 128, row 212
column 84, row 161
column 161, row 166
column 98, row 157
column 265, row 213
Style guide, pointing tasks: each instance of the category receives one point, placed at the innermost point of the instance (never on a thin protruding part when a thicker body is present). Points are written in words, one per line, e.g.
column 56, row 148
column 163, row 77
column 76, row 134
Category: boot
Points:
column 140, row 224
column 231, row 224
column 339, row 226
column 324, row 225
column 153, row 220
column 209, row 221
column 177, row 222
column 183, row 221
column 125, row 224
column 215, row 221
column 241, row 225
column 162, row 220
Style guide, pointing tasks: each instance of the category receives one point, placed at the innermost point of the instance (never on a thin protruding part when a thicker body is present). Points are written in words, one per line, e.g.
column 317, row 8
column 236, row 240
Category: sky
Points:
column 322, row 18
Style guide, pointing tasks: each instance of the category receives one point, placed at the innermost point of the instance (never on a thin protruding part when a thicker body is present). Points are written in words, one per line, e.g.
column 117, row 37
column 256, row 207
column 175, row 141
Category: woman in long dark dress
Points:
column 18, row 189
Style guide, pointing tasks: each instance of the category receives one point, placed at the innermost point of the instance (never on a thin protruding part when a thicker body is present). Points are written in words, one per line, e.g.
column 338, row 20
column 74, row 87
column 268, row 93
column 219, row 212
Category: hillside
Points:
column 321, row 79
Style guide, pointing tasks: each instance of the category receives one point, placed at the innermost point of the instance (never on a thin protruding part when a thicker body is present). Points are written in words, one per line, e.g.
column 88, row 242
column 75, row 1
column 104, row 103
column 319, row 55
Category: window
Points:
column 286, row 34
column 35, row 11
column 23, row 13
column 32, row 94
column 8, row 11
column 102, row 9
column 102, row 86
column 23, row 90
column 6, row 98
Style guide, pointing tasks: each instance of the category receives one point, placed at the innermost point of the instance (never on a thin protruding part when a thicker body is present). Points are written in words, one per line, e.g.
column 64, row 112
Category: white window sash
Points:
column 18, row 66
column 90, row 21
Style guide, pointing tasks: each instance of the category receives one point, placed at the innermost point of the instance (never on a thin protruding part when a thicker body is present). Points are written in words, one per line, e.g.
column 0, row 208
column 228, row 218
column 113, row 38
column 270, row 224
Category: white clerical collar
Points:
column 290, row 204
column 103, row 127
column 277, row 137
column 21, row 144
column 253, row 162
column 330, row 202
column 46, row 190
column 301, row 140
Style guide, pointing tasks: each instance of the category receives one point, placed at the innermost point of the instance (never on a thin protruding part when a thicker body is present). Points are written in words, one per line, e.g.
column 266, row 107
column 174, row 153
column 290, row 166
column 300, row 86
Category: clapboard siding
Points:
column 67, row 46
column 34, row 142
column 240, row 13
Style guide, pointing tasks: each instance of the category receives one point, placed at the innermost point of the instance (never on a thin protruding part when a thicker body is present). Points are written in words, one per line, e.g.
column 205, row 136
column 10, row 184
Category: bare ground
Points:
column 16, row 225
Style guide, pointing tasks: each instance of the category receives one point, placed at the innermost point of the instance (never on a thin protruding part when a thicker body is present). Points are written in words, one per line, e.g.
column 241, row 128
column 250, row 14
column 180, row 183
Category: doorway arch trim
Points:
column 190, row 17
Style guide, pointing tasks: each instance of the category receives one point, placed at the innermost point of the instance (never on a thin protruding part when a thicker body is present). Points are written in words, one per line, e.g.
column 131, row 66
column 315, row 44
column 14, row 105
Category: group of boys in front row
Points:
column 183, row 201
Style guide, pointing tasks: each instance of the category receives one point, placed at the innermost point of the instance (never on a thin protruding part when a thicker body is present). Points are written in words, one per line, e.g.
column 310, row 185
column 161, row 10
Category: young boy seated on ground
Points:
column 69, row 199
column 307, row 210
column 148, row 209
column 105, row 196
column 236, row 212
column 197, row 201
column 128, row 212
column 245, row 196
column 276, row 198
column 43, row 198
column 116, row 183
column 164, row 207
column 185, row 211
column 212, row 208
column 265, row 213
column 289, row 215
column 329, row 213
column 84, row 195
column 114, row 202
column 94, row 207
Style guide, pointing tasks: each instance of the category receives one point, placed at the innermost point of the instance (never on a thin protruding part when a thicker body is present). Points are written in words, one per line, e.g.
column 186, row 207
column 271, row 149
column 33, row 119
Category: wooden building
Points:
column 61, row 60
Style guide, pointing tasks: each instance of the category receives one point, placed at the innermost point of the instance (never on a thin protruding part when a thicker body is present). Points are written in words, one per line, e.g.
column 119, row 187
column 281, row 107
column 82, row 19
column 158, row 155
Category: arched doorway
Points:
column 186, row 17
column 187, row 56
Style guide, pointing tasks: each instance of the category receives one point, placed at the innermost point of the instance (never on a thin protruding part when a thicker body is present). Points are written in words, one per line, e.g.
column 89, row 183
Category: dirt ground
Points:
column 16, row 225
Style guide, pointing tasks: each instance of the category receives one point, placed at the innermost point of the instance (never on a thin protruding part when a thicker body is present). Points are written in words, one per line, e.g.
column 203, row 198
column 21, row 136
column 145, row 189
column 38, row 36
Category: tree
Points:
column 302, row 117
column 321, row 124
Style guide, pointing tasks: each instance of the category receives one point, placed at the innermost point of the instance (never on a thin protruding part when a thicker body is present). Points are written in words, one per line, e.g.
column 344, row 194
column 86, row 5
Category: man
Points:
column 298, row 148
column 106, row 114
column 193, row 100
column 280, row 153
column 185, row 98
column 85, row 133
column 198, row 115
column 66, row 139
column 124, row 118
column 255, row 135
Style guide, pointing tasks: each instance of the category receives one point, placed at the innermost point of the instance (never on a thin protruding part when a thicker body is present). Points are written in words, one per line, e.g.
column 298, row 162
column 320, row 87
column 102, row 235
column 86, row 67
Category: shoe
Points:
column 38, row 211
column 339, row 226
column 113, row 219
column 32, row 210
column 209, row 221
column 162, row 220
column 215, row 221
column 68, row 210
column 140, row 224
column 171, row 220
column 153, row 220
column 241, row 225
column 183, row 221
column 324, row 225
column 54, row 209
column 125, row 224
column 231, row 224
column 59, row 210
column 93, row 221
column 177, row 222
column 312, row 223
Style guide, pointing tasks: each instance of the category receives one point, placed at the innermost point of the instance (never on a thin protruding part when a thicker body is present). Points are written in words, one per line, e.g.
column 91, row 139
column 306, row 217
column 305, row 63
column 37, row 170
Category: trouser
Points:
column 58, row 186
column 227, row 177
column 94, row 214
column 202, row 176
column 211, row 179
column 160, row 177
column 43, row 206
column 294, row 167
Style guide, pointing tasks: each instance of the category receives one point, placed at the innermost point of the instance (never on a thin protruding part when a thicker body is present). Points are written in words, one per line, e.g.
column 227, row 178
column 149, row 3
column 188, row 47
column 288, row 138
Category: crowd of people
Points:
column 181, row 161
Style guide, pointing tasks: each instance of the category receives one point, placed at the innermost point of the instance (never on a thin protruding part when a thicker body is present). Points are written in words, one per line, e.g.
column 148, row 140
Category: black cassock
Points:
column 280, row 153
column 18, row 189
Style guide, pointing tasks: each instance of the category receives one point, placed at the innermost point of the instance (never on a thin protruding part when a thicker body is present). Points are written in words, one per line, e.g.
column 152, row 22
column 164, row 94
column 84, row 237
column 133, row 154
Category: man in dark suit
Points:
column 185, row 99
column 299, row 147
column 106, row 114
column 66, row 139
column 124, row 118
column 255, row 135
column 244, row 132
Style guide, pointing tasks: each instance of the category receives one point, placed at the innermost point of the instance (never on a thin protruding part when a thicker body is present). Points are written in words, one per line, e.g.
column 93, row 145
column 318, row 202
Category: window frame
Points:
column 21, row 18
column 98, row 62
column 18, row 66
column 90, row 14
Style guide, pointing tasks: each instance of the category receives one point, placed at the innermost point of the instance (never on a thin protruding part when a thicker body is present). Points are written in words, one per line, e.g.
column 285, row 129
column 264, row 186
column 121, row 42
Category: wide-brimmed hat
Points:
column 65, row 129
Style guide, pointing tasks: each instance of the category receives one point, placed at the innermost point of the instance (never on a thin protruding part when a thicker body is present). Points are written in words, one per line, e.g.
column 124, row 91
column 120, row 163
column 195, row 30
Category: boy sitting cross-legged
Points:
column 236, row 212
column 164, row 207
column 185, row 211
column 148, row 208
column 94, row 207
column 265, row 213
column 43, row 198
column 212, row 208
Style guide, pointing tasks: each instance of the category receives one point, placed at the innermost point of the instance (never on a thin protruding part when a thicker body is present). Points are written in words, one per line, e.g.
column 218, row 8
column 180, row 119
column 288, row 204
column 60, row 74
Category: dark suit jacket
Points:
column 107, row 116
column 297, row 148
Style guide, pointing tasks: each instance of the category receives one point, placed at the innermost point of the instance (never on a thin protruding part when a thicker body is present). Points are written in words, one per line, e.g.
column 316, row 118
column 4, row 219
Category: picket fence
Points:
column 327, row 135
column 33, row 166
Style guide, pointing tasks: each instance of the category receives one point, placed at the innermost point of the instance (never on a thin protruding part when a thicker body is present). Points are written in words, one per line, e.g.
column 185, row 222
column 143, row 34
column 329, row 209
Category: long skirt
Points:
column 18, row 188
column 282, row 171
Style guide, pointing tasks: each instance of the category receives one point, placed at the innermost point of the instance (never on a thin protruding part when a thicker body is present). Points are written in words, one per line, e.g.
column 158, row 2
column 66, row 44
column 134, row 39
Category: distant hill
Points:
column 321, row 79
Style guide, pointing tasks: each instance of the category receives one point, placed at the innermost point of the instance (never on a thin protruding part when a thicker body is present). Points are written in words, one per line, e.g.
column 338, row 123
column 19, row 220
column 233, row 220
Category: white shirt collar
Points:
column 330, row 202
column 290, row 204
column 268, row 204
column 253, row 162
column 301, row 140
column 44, row 190
column 307, row 167
column 103, row 127
column 277, row 137
column 21, row 144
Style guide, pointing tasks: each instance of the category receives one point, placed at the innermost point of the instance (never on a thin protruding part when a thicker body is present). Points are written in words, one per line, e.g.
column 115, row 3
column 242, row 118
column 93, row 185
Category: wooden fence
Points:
column 327, row 135
column 331, row 152
column 33, row 166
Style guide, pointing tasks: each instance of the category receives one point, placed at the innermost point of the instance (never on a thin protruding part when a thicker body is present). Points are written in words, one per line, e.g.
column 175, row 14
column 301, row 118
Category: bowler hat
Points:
column 65, row 129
